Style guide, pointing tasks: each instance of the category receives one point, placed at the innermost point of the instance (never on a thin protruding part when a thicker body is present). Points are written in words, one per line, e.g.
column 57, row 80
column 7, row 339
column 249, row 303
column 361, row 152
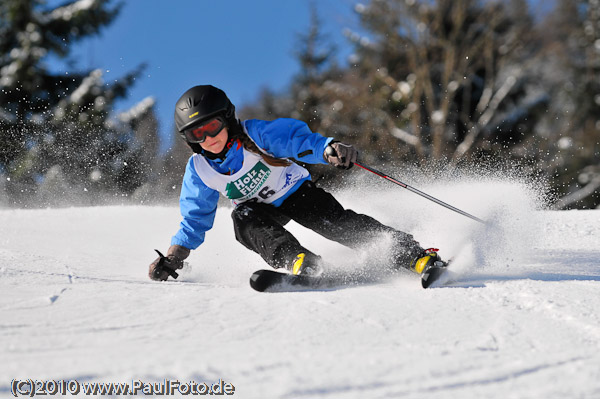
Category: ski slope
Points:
column 520, row 321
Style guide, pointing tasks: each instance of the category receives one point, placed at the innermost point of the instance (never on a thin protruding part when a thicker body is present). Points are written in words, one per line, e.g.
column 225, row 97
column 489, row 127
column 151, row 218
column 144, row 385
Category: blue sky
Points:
column 237, row 45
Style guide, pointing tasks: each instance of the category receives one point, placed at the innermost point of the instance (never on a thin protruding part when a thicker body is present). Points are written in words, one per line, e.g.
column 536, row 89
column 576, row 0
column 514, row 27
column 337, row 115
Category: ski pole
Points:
column 421, row 193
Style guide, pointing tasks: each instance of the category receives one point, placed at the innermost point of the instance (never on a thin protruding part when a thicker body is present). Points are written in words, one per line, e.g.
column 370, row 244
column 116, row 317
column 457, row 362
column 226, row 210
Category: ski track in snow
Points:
column 520, row 319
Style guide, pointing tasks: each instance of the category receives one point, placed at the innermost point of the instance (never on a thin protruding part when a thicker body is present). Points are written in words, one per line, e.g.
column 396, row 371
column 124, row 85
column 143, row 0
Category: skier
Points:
column 250, row 162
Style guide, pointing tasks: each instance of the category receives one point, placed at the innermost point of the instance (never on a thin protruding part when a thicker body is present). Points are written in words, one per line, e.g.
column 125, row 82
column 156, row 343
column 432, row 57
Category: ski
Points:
column 435, row 276
column 274, row 281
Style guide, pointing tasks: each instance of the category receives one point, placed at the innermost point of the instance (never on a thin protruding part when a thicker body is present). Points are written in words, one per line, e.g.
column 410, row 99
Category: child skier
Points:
column 250, row 163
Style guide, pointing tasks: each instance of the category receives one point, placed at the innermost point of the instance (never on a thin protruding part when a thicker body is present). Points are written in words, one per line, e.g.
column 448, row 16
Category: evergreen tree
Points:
column 57, row 126
column 316, row 57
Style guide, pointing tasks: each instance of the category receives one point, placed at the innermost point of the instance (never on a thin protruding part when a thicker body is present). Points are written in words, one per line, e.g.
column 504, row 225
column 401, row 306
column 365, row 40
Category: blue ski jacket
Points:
column 282, row 138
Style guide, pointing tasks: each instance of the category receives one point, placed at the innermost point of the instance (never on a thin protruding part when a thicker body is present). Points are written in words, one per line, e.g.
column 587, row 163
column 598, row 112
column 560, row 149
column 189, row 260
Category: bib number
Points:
column 266, row 193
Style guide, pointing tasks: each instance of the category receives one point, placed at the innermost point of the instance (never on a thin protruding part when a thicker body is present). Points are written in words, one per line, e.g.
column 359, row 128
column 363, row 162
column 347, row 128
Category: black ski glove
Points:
column 340, row 155
column 165, row 266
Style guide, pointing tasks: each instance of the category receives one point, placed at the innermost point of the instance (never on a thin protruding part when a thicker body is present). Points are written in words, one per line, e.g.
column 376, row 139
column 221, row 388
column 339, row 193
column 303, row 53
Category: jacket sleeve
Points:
column 288, row 138
column 198, row 206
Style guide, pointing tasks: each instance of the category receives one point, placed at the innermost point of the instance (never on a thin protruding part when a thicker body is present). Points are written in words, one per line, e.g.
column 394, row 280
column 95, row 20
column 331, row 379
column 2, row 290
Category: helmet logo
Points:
column 192, row 115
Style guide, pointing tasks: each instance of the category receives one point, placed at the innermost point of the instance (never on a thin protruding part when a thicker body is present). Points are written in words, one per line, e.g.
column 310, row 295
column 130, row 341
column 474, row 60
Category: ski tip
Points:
column 432, row 276
column 263, row 280
column 257, row 282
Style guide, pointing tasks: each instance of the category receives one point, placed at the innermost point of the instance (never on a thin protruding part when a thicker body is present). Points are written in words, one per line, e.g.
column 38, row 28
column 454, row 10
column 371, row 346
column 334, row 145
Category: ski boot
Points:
column 307, row 264
column 429, row 265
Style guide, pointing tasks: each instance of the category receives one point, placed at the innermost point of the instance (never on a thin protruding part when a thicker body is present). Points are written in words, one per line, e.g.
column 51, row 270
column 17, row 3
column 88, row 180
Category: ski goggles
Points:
column 210, row 128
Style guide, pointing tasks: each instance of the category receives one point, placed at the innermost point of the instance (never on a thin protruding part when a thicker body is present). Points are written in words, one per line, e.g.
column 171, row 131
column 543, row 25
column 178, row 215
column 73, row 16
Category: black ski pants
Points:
column 260, row 227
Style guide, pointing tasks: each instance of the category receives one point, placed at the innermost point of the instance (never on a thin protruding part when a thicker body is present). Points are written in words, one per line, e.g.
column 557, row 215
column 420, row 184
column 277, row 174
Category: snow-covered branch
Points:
column 405, row 136
column 591, row 179
column 66, row 12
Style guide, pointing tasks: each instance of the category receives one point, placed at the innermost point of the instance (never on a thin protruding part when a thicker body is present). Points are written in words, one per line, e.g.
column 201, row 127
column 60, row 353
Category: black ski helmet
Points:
column 201, row 103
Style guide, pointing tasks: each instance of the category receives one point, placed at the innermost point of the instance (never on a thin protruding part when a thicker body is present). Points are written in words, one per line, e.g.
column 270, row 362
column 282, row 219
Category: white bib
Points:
column 256, row 179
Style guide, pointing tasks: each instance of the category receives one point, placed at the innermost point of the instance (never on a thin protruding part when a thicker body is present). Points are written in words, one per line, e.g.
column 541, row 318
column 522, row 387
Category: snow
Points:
column 66, row 12
column 520, row 321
